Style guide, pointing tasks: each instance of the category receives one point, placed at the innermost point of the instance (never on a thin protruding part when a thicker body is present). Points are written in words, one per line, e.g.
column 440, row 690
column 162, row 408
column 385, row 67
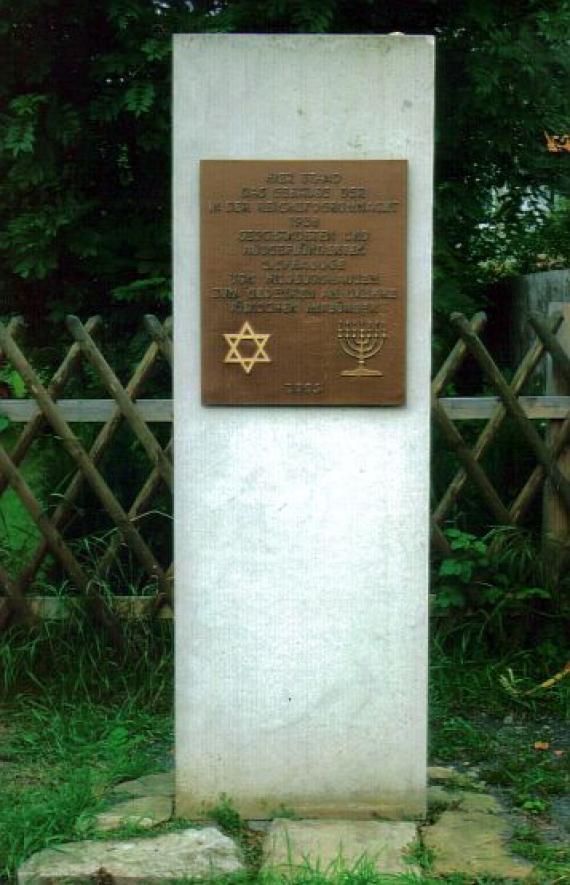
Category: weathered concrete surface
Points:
column 464, row 800
column 439, row 798
column 150, row 785
column 438, row 774
column 532, row 293
column 141, row 811
column 482, row 802
column 330, row 845
column 302, row 533
column 474, row 843
column 191, row 854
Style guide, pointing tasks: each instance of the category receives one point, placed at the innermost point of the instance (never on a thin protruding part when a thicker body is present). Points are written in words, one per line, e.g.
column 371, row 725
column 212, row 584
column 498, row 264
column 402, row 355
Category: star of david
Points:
column 246, row 333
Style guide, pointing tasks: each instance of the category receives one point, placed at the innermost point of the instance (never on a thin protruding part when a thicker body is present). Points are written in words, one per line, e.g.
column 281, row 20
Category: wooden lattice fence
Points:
column 48, row 407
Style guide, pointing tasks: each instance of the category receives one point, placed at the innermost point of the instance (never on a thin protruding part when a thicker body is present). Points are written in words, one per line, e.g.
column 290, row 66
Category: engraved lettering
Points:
column 305, row 222
column 311, row 254
column 242, row 279
column 237, row 206
column 224, row 292
column 302, row 387
column 353, row 193
column 321, row 177
column 253, row 193
column 279, row 177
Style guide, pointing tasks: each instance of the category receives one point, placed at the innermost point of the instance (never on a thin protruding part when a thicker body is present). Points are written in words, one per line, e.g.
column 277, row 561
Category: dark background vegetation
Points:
column 85, row 228
column 85, row 202
column 85, row 140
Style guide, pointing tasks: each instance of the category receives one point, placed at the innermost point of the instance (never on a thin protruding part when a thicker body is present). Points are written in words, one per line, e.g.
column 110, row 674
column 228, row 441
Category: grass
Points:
column 77, row 717
column 517, row 742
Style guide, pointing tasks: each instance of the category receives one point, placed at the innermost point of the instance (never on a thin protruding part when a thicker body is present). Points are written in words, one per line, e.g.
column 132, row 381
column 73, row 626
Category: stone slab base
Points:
column 332, row 846
column 189, row 854
column 474, row 843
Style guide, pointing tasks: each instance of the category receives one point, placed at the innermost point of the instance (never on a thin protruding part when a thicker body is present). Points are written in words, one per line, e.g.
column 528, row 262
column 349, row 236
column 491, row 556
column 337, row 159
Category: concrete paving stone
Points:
column 150, row 785
column 440, row 797
column 258, row 826
column 338, row 844
column 464, row 800
column 140, row 811
column 473, row 843
column 440, row 774
column 479, row 802
column 188, row 854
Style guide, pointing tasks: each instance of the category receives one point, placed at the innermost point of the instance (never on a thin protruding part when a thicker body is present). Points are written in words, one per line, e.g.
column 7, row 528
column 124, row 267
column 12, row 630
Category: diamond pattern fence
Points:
column 57, row 519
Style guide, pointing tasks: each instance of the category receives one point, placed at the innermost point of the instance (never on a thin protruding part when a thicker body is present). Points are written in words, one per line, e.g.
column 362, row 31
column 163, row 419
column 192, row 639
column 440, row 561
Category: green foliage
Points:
column 498, row 588
column 77, row 717
column 85, row 134
column 553, row 860
column 226, row 816
column 16, row 386
column 77, row 664
column 43, row 804
column 86, row 126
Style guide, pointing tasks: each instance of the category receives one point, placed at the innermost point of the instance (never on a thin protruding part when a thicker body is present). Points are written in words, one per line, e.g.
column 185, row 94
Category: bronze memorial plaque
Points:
column 303, row 279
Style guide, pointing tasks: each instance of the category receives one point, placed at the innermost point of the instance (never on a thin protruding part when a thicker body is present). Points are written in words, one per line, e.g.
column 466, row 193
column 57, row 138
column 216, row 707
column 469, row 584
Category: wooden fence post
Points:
column 556, row 519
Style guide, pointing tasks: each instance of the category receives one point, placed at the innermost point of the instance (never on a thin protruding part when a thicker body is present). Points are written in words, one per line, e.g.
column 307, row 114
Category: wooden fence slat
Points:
column 485, row 360
column 470, row 465
column 159, row 411
column 15, row 602
column 146, row 438
column 558, row 441
column 56, row 543
column 15, row 326
column 551, row 342
column 446, row 411
column 96, row 452
column 59, row 608
column 80, row 456
column 439, row 540
column 443, row 376
column 161, row 336
column 480, row 408
column 58, row 382
column 139, row 505
column 555, row 518
column 489, row 432
column 456, row 356
column 98, row 411
column 520, row 506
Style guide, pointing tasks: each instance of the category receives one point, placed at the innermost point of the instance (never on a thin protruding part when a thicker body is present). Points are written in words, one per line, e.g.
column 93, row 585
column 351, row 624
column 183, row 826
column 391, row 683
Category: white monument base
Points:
column 302, row 532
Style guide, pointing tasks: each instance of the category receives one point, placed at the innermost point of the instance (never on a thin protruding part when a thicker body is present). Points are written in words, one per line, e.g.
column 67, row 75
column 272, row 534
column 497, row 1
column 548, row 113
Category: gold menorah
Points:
column 362, row 341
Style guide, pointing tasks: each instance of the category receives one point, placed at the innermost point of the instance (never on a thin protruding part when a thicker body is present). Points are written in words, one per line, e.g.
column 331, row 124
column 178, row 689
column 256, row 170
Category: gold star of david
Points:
column 246, row 333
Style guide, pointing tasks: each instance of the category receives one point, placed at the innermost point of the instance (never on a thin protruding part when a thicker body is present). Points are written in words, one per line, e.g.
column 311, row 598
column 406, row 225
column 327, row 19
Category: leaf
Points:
column 460, row 567
column 448, row 596
column 494, row 594
column 139, row 98
column 27, row 105
column 19, row 137
column 150, row 286
column 156, row 50
column 532, row 593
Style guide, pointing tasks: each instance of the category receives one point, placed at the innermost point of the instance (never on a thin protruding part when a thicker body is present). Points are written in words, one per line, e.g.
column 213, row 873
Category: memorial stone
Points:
column 302, row 251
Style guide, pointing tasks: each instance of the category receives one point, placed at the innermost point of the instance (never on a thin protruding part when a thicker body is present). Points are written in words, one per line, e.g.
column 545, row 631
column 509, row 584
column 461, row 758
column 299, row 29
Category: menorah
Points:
column 362, row 341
